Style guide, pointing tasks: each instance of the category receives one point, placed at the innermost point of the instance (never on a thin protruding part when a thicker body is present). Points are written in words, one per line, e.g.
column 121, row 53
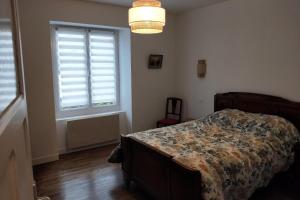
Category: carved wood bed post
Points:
column 126, row 152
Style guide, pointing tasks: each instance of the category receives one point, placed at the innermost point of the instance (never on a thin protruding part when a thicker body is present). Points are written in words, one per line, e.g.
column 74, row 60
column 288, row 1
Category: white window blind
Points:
column 8, row 79
column 86, row 67
column 72, row 68
column 103, row 64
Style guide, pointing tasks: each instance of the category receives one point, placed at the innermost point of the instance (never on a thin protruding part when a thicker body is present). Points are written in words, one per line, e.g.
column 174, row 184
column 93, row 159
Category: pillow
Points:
column 256, row 123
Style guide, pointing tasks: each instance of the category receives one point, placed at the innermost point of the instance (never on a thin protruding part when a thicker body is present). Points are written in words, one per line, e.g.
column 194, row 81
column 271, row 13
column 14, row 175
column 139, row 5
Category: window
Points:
column 8, row 76
column 86, row 68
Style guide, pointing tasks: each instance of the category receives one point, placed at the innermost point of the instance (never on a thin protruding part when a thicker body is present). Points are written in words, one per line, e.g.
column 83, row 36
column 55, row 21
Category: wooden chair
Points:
column 173, row 112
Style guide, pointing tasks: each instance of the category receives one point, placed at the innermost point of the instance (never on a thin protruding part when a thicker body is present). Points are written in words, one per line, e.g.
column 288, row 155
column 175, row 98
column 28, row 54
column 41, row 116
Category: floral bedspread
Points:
column 236, row 152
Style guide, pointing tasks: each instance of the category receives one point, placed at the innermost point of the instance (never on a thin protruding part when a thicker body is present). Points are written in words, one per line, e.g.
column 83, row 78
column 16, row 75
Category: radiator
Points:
column 92, row 131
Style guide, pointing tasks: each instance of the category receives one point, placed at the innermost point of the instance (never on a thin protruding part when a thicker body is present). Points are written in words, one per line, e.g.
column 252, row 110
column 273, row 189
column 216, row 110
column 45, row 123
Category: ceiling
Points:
column 175, row 6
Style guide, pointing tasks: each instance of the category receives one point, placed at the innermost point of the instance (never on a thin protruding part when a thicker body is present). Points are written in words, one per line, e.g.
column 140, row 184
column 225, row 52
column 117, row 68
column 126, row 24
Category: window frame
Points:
column 90, row 109
column 13, row 22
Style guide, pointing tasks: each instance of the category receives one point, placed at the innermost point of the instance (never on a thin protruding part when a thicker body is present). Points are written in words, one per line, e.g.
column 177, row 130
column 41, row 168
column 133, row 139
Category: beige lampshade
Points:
column 147, row 17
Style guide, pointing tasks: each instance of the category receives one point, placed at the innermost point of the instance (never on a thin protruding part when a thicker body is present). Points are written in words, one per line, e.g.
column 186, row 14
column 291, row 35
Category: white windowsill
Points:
column 89, row 116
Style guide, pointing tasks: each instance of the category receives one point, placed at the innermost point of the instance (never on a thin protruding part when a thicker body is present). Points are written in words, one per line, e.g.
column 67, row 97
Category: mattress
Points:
column 236, row 152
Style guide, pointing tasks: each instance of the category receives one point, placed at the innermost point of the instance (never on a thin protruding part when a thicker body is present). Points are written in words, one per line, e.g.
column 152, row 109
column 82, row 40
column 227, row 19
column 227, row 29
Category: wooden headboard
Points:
column 260, row 103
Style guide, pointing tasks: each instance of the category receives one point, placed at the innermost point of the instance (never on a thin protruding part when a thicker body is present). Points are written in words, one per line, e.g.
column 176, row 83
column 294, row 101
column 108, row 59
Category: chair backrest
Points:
column 174, row 108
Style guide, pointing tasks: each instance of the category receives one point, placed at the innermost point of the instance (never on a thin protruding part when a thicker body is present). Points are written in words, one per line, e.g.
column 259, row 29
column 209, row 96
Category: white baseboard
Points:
column 66, row 151
column 45, row 159
column 55, row 157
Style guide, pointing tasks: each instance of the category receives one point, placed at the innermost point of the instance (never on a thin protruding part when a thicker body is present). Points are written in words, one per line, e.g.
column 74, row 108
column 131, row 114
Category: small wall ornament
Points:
column 201, row 68
column 155, row 61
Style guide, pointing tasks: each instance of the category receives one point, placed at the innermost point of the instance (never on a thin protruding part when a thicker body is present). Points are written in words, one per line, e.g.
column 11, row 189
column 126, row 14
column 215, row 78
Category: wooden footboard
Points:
column 296, row 167
column 157, row 173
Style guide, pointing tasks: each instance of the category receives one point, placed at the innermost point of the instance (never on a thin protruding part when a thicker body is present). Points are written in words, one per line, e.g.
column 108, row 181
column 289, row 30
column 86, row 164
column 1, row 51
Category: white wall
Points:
column 249, row 45
column 147, row 84
column 125, row 80
column 149, row 87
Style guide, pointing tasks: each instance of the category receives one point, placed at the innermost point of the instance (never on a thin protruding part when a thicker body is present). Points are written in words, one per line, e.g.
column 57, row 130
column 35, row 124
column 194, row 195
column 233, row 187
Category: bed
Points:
column 227, row 160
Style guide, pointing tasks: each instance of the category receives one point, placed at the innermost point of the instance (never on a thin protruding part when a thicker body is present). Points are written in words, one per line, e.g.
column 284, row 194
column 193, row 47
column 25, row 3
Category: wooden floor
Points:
column 88, row 176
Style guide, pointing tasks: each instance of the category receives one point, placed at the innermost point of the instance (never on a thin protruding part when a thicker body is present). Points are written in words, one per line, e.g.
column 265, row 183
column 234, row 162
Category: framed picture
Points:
column 155, row 61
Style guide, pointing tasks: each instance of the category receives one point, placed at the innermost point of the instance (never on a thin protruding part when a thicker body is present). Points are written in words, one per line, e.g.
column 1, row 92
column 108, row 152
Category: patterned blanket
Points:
column 236, row 152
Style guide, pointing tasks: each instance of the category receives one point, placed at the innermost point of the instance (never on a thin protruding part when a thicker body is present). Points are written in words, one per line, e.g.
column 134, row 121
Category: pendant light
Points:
column 147, row 17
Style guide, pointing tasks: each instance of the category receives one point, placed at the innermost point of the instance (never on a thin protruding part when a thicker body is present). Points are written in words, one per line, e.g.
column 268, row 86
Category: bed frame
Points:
column 163, row 178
